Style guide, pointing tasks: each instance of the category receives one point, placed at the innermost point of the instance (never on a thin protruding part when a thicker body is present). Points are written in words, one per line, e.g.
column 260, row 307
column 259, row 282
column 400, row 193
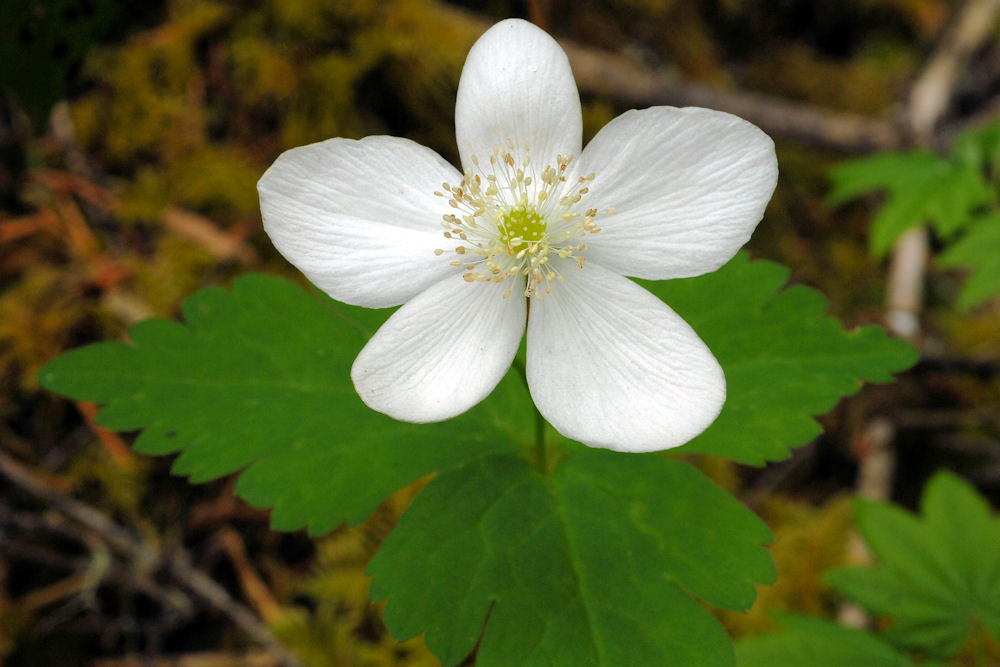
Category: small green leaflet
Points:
column 956, row 195
column 979, row 251
column 938, row 576
column 922, row 188
column 813, row 642
column 980, row 147
column 586, row 567
column 784, row 358
column 259, row 379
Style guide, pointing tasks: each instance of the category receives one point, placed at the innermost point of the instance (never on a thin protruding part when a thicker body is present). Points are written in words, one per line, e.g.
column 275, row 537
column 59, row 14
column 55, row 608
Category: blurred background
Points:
column 131, row 139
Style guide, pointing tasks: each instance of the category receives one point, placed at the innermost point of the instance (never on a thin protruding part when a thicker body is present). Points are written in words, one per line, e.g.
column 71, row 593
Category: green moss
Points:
column 176, row 270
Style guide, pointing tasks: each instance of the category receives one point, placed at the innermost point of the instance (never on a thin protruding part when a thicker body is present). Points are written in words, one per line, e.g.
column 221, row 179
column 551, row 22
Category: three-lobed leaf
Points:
column 258, row 380
column 588, row 566
column 605, row 550
column 938, row 575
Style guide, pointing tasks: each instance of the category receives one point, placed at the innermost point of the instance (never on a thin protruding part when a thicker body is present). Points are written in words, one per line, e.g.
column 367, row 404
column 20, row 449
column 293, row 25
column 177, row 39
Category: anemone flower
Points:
column 534, row 234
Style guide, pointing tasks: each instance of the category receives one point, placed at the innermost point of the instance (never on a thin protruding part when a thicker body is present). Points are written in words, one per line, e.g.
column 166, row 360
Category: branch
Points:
column 209, row 659
column 617, row 76
column 614, row 75
column 933, row 89
column 145, row 559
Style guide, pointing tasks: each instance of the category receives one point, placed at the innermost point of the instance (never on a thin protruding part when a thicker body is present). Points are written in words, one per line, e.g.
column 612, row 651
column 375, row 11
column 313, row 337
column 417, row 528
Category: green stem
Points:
column 542, row 454
column 543, row 457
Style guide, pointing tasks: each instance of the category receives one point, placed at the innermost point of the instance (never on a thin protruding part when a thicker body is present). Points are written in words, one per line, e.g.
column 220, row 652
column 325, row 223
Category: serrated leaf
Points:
column 585, row 567
column 922, row 189
column 784, row 359
column 259, row 379
column 813, row 642
column 938, row 575
column 979, row 251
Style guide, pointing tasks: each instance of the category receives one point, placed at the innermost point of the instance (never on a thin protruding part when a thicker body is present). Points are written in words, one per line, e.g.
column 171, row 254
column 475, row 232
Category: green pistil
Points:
column 523, row 225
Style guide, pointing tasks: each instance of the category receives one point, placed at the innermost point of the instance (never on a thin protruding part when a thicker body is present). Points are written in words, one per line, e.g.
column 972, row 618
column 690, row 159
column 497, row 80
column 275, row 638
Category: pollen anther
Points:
column 511, row 226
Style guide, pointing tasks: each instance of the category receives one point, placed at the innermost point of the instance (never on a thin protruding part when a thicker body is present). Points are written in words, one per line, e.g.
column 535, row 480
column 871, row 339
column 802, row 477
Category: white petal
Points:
column 517, row 85
column 360, row 218
column 689, row 187
column 612, row 366
column 442, row 352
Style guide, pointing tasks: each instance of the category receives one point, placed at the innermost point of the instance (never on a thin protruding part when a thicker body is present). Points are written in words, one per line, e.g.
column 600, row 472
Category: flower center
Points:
column 512, row 218
column 520, row 227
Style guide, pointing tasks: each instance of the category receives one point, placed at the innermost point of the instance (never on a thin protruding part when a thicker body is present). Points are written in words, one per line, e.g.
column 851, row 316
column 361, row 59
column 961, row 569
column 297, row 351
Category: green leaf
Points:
column 922, row 188
column 813, row 642
column 979, row 251
column 882, row 171
column 586, row 567
column 259, row 379
column 597, row 561
column 784, row 359
column 938, row 576
column 979, row 147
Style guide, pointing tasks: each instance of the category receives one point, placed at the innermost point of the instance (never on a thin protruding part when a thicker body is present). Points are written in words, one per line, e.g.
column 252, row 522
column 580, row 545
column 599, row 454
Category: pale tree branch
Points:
column 613, row 75
column 929, row 99
column 932, row 91
column 616, row 76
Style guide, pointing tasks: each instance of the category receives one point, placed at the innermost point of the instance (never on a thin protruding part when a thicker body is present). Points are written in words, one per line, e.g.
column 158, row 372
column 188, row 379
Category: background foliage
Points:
column 138, row 188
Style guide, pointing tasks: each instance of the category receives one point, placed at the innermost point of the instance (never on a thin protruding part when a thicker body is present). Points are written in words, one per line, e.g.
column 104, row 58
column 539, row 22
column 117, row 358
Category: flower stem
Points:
column 542, row 454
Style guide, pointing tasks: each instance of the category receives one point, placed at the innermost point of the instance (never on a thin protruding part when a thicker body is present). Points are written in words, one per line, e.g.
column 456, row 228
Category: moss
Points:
column 37, row 316
column 337, row 624
column 176, row 269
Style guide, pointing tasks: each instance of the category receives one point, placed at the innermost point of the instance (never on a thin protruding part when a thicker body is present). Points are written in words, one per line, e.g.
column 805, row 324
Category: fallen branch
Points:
column 213, row 659
column 616, row 76
column 600, row 72
column 144, row 559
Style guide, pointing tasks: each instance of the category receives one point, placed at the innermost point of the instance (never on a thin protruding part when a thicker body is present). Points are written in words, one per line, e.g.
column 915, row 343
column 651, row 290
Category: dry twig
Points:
column 144, row 559
column 213, row 659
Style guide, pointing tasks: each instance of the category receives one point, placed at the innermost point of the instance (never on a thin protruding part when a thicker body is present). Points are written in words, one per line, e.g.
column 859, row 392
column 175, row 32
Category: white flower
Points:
column 537, row 233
